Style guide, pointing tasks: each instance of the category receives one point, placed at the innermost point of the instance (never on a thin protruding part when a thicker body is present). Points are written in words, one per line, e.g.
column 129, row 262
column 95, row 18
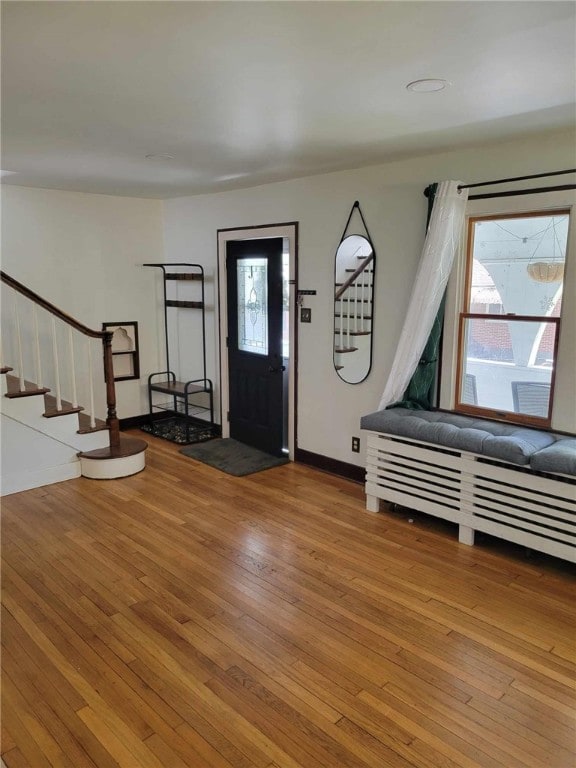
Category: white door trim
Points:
column 288, row 231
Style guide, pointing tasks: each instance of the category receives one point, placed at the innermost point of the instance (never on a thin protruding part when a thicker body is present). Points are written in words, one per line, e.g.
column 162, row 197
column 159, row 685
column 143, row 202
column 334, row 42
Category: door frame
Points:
column 287, row 230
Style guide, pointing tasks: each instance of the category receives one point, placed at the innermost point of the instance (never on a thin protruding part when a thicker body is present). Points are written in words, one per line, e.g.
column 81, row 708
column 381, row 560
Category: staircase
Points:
column 46, row 438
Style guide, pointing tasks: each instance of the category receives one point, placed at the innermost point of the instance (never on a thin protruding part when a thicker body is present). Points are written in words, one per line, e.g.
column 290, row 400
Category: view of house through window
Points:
column 510, row 324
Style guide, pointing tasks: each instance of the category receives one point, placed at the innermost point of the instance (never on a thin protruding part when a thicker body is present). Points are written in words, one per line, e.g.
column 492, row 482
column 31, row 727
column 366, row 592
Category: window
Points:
column 509, row 327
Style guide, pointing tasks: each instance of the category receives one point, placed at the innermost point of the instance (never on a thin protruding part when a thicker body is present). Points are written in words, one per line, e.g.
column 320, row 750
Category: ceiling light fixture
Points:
column 160, row 156
column 427, row 85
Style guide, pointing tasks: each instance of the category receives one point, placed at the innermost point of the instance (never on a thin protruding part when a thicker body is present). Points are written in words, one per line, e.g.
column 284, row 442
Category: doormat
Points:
column 174, row 429
column 232, row 457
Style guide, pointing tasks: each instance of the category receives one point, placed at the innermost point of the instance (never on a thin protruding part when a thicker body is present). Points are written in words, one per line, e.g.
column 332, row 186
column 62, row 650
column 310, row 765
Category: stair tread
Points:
column 30, row 388
column 50, row 407
column 129, row 446
column 85, row 428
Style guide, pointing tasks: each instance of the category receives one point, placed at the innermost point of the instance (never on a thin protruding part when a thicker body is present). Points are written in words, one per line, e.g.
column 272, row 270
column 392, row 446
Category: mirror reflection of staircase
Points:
column 46, row 437
column 353, row 306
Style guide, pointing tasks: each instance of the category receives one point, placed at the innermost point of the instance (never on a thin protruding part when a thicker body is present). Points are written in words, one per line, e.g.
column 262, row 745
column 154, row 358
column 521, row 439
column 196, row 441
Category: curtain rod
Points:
column 535, row 190
column 512, row 193
column 516, row 178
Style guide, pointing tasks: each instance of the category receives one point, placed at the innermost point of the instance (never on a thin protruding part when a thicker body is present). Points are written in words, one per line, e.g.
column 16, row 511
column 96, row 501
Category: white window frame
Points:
column 564, row 406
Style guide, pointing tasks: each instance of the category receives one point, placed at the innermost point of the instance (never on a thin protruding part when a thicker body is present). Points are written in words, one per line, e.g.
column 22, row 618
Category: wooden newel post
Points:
column 112, row 418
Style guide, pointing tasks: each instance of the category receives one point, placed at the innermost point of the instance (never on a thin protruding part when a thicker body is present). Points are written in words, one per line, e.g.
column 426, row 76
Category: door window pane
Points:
column 285, row 300
column 252, row 276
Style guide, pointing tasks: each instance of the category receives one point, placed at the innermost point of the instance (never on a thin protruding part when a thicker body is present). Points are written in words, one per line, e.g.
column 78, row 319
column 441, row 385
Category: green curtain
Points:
column 419, row 394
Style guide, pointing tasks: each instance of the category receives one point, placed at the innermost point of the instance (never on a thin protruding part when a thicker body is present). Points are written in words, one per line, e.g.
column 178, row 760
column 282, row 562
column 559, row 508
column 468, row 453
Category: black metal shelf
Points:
column 191, row 399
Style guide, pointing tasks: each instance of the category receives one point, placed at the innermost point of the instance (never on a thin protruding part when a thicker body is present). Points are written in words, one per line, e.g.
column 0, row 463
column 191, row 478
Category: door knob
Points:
column 271, row 369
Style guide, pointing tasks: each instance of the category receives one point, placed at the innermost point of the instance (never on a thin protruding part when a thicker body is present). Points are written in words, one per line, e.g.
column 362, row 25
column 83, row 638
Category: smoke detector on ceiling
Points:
column 427, row 85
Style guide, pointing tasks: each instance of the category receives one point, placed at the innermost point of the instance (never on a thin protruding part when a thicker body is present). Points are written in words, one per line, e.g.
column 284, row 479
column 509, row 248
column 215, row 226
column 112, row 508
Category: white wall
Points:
column 394, row 209
column 83, row 253
column 31, row 459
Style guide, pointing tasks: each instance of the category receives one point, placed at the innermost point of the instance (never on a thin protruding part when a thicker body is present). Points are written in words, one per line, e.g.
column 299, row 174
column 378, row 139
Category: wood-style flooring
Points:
column 184, row 618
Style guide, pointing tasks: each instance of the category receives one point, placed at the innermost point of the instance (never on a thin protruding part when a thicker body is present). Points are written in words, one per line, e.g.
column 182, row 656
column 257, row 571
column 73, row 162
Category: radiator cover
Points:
column 536, row 510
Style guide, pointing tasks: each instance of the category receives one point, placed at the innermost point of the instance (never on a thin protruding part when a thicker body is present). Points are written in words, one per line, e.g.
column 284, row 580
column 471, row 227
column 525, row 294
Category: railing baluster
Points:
column 56, row 367
column 18, row 344
column 39, row 376
column 91, row 384
column 348, row 319
column 362, row 313
column 72, row 368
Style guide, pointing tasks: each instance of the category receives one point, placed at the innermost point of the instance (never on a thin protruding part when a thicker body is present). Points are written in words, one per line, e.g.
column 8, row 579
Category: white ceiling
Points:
column 244, row 93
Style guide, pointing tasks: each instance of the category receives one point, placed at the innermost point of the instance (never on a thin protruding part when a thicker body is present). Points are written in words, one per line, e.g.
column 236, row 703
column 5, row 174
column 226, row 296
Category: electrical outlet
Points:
column 355, row 445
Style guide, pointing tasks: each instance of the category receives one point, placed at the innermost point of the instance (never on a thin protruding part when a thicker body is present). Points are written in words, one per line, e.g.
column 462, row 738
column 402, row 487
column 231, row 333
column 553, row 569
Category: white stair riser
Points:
column 29, row 410
column 31, row 459
column 108, row 469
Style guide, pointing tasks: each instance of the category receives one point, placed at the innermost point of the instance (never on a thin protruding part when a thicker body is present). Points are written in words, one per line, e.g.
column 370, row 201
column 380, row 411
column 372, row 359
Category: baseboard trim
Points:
column 333, row 466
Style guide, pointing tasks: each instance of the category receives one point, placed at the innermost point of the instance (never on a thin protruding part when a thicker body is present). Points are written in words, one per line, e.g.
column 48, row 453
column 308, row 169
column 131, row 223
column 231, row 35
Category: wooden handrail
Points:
column 106, row 337
column 353, row 276
column 51, row 308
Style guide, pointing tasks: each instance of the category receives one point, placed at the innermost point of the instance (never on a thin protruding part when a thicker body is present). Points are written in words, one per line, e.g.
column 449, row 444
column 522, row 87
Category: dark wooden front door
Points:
column 255, row 366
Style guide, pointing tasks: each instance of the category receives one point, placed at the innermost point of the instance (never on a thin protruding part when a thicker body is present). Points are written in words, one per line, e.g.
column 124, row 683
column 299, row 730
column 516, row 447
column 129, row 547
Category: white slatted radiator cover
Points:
column 479, row 494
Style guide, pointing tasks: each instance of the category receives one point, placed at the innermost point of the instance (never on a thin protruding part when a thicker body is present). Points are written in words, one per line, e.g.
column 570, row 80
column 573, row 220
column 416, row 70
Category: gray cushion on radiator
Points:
column 560, row 457
column 507, row 442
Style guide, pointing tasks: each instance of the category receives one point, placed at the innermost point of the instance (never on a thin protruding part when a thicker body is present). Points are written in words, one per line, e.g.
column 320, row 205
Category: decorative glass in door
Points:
column 252, row 279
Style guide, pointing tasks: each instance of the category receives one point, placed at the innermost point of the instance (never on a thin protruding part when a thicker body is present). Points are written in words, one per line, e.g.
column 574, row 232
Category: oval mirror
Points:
column 353, row 302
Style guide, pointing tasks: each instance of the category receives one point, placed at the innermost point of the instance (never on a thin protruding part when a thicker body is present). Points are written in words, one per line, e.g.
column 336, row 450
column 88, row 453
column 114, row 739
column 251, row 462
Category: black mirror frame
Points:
column 340, row 288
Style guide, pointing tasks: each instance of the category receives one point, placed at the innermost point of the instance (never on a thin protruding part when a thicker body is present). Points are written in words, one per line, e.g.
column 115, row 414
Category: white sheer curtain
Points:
column 441, row 245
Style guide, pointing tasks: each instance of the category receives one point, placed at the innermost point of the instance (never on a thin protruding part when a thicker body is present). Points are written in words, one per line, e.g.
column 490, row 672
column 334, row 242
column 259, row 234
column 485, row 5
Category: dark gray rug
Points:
column 232, row 457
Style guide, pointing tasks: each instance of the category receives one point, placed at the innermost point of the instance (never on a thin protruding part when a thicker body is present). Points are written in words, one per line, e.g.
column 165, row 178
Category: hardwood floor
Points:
column 183, row 618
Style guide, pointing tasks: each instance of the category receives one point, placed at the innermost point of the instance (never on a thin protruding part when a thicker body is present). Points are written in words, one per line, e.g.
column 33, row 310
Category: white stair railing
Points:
column 56, row 369
column 55, row 331
column 18, row 333
column 72, row 368
column 39, row 378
